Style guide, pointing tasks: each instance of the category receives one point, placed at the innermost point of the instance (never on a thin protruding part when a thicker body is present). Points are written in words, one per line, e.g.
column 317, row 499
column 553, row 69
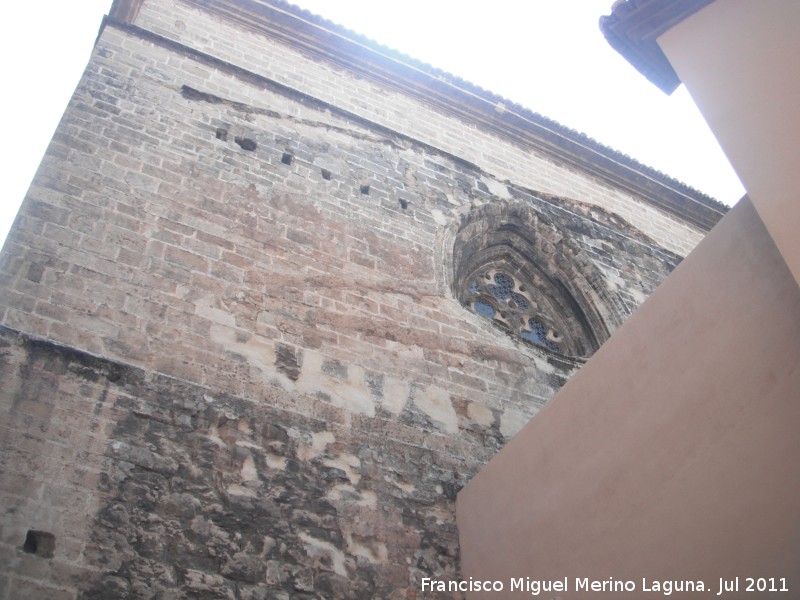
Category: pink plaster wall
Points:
column 739, row 61
column 674, row 453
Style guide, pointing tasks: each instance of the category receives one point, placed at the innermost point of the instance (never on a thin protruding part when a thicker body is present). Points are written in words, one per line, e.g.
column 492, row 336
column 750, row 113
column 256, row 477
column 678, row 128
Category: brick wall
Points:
column 235, row 363
column 184, row 23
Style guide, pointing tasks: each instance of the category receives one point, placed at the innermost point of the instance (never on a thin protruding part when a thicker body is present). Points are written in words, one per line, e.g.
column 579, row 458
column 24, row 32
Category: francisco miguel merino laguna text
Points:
column 581, row 584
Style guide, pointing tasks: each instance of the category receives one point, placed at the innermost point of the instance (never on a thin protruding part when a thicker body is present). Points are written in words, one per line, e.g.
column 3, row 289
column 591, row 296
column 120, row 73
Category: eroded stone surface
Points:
column 229, row 497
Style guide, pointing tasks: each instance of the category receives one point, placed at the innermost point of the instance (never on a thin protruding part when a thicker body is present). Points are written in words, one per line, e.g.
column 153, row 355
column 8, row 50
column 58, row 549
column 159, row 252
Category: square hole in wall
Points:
column 246, row 143
column 39, row 543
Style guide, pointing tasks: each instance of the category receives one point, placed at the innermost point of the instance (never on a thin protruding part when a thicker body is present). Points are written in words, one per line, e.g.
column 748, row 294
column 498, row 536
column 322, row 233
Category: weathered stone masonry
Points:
column 245, row 345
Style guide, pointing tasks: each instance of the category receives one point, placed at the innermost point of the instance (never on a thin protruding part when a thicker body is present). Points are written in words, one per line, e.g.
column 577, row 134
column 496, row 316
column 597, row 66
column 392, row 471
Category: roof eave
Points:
column 633, row 27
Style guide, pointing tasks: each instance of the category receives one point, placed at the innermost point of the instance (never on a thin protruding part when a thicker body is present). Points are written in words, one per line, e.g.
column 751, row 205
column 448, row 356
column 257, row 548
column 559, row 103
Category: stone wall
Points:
column 237, row 44
column 237, row 363
column 156, row 487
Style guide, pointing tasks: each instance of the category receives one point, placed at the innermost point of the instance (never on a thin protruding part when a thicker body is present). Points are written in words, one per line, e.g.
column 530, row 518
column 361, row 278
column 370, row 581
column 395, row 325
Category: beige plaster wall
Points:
column 738, row 59
column 673, row 453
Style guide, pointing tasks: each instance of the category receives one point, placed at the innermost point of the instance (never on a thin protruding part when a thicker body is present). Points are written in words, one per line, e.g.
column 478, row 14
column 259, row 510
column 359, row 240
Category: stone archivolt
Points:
column 519, row 270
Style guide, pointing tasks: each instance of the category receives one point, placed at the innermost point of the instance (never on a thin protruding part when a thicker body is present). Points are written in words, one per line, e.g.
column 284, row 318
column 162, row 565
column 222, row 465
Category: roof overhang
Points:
column 633, row 27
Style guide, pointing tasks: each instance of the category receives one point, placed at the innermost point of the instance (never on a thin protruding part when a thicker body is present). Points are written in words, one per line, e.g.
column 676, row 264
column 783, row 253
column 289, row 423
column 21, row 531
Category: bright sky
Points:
column 547, row 55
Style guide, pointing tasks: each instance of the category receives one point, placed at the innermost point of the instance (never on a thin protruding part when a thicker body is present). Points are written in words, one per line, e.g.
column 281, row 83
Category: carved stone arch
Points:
column 514, row 266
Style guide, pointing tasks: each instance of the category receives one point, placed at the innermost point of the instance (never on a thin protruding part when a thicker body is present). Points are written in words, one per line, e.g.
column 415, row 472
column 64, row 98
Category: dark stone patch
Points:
column 334, row 368
column 286, row 361
column 35, row 272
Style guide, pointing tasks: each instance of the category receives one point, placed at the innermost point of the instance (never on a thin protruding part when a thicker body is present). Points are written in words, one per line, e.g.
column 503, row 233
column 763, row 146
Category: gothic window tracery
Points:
column 521, row 273
column 498, row 296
